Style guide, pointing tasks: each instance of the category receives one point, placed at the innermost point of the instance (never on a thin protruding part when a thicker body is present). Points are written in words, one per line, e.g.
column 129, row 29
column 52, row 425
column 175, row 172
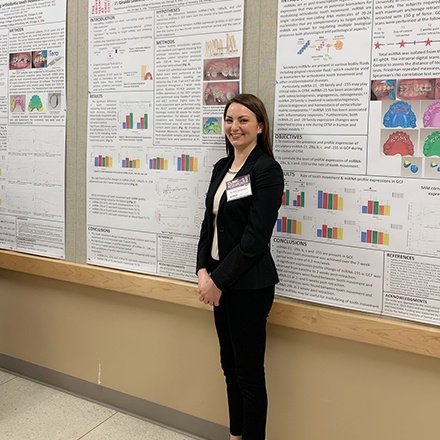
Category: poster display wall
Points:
column 160, row 75
column 357, row 132
column 32, row 126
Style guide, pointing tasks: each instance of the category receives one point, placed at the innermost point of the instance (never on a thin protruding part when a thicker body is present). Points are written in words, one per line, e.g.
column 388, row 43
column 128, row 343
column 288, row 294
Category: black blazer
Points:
column 244, row 226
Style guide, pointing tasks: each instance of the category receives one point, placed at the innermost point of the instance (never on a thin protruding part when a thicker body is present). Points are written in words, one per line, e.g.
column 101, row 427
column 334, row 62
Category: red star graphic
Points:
column 428, row 42
column 402, row 44
column 377, row 45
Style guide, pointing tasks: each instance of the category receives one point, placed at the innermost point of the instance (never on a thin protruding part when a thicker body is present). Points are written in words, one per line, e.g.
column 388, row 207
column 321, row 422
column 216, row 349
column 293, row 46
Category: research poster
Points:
column 357, row 132
column 160, row 74
column 32, row 126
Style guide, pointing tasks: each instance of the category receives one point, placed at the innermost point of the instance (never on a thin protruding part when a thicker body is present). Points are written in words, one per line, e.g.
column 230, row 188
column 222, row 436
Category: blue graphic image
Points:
column 400, row 115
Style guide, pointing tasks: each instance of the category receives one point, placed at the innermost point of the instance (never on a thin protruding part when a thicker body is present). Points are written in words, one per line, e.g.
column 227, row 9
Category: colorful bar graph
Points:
column 158, row 163
column 289, row 225
column 103, row 161
column 143, row 122
column 375, row 208
column 298, row 201
column 131, row 163
column 128, row 124
column 330, row 232
column 375, row 237
column 330, row 201
column 187, row 163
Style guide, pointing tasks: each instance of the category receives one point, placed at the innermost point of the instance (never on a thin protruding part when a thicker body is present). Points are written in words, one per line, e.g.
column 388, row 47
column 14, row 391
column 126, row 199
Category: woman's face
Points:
column 242, row 127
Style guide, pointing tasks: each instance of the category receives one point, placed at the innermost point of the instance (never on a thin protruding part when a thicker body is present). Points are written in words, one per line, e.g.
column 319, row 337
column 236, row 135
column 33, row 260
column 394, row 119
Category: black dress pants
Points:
column 240, row 321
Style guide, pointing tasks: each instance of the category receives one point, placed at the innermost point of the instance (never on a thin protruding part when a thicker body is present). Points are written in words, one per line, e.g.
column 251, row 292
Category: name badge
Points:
column 238, row 188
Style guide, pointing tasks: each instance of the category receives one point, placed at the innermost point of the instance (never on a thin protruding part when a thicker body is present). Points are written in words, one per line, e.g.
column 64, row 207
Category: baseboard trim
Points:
column 120, row 401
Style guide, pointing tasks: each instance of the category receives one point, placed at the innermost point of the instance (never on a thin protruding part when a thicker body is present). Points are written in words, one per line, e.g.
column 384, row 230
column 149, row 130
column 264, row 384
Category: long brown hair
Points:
column 256, row 106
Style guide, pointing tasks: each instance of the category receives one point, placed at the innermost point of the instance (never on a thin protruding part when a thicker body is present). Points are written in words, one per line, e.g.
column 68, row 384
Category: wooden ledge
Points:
column 354, row 326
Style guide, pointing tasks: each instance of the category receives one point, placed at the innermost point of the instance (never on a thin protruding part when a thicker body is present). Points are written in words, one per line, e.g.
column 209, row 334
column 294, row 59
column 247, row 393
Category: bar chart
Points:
column 103, row 161
column 141, row 122
column 326, row 231
column 330, row 201
column 374, row 207
column 158, row 163
column 130, row 163
column 293, row 199
column 289, row 226
column 375, row 237
column 134, row 115
column 185, row 162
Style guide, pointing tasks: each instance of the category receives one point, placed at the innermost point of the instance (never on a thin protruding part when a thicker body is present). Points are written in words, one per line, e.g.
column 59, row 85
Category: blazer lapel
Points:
column 245, row 169
column 250, row 161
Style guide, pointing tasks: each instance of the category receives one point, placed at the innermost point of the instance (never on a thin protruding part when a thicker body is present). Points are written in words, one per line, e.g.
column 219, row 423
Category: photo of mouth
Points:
column 21, row 60
column 219, row 93
column 28, row 60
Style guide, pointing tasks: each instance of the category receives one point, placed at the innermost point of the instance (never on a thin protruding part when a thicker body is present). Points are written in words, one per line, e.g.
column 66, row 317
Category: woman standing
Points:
column 236, row 272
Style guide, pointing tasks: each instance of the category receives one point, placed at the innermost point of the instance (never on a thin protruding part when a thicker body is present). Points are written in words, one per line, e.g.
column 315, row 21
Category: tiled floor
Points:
column 31, row 411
